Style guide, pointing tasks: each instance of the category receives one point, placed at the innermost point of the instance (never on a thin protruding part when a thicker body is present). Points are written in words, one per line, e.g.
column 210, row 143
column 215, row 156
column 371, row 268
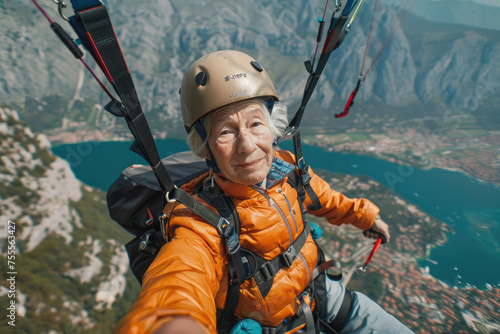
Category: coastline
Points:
column 400, row 160
column 70, row 137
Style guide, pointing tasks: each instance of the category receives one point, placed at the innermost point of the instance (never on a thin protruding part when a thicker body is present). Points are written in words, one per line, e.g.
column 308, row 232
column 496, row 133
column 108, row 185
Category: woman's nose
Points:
column 246, row 142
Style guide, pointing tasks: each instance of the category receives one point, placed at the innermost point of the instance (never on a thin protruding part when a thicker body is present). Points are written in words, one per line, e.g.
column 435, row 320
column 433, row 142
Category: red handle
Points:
column 374, row 249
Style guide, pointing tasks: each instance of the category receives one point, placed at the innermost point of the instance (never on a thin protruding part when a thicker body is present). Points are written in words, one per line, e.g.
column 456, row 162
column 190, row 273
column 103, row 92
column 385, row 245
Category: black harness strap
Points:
column 269, row 269
column 340, row 319
column 94, row 27
column 304, row 173
column 215, row 197
column 306, row 311
column 306, row 179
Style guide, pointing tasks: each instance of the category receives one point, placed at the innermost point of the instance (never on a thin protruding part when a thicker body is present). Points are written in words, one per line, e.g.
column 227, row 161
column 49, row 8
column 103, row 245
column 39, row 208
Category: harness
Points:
column 263, row 271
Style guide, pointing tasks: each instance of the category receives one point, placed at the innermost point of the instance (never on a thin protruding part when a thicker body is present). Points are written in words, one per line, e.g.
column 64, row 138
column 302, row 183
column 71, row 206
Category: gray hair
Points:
column 278, row 121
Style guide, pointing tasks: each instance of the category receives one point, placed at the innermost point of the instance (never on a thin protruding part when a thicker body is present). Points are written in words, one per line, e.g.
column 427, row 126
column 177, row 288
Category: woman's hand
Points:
column 378, row 226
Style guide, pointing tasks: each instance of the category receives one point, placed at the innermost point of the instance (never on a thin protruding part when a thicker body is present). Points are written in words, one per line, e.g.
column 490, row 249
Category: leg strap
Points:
column 340, row 319
column 304, row 320
column 306, row 310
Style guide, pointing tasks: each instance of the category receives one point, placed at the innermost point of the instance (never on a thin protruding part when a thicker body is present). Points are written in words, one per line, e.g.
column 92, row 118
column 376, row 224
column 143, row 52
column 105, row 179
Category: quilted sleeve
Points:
column 339, row 209
column 182, row 280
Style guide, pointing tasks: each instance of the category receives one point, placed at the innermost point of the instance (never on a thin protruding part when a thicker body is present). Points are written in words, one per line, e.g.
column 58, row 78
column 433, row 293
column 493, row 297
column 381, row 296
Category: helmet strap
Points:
column 270, row 105
column 203, row 135
column 201, row 130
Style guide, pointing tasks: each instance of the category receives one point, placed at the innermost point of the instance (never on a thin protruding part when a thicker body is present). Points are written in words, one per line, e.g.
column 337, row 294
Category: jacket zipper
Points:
column 289, row 209
column 273, row 204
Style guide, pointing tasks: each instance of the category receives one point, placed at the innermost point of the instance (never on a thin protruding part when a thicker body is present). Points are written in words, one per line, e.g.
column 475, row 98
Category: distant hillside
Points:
column 479, row 14
column 72, row 268
column 428, row 69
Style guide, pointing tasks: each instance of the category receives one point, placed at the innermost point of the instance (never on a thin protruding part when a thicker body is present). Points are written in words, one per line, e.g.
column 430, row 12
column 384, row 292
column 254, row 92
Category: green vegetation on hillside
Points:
column 54, row 299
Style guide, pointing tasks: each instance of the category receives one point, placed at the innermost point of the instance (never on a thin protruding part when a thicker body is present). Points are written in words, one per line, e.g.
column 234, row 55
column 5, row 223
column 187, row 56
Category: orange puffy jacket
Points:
column 189, row 276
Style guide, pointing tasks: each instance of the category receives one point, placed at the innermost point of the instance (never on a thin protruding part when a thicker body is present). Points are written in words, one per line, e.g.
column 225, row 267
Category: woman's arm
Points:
column 182, row 281
column 339, row 209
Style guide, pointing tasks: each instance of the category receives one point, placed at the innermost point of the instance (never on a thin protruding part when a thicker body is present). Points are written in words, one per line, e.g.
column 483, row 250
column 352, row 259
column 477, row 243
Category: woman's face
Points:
column 241, row 141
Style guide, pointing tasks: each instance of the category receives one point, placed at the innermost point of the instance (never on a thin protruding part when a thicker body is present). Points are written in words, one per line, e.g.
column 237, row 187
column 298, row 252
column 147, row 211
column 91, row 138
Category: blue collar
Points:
column 279, row 170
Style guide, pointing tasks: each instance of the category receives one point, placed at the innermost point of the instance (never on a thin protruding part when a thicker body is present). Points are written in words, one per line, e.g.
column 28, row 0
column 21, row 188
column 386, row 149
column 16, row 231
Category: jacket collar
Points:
column 279, row 170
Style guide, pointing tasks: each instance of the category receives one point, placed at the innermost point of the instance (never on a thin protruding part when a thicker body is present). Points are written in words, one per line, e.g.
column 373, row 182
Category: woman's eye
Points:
column 257, row 124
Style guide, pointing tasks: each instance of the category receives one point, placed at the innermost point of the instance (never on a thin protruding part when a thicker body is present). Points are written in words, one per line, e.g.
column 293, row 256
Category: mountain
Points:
column 71, row 266
column 474, row 13
column 68, row 269
column 426, row 68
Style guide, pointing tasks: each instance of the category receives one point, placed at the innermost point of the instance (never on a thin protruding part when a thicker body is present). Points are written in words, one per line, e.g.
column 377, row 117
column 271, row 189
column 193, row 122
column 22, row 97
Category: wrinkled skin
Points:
column 241, row 141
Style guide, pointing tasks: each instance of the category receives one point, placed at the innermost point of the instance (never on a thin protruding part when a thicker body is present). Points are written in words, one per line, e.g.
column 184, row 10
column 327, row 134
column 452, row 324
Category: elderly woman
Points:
column 231, row 112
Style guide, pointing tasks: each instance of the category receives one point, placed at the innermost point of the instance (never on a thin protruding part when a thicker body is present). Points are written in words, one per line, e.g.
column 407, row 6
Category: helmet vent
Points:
column 201, row 79
column 257, row 66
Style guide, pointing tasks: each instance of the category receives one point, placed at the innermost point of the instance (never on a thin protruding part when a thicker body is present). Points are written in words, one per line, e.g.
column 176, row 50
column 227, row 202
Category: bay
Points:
column 471, row 207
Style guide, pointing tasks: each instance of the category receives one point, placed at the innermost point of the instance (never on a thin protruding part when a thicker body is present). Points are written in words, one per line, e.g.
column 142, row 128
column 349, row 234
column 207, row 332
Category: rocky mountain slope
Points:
column 69, row 262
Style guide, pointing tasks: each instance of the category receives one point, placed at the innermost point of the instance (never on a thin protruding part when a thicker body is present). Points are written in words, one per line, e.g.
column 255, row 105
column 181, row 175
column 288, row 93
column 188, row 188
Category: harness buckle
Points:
column 210, row 180
column 304, row 173
column 60, row 6
column 228, row 232
column 268, row 330
column 289, row 256
column 148, row 245
column 268, row 271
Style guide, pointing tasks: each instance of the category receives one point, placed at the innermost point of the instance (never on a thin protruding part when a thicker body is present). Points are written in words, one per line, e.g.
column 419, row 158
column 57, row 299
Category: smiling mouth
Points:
column 249, row 164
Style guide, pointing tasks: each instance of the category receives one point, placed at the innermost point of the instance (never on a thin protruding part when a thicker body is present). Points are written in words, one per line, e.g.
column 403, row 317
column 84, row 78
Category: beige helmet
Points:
column 221, row 78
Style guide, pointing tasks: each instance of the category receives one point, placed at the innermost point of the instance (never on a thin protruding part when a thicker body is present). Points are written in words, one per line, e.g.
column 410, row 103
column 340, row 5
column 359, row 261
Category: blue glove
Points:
column 316, row 231
column 246, row 326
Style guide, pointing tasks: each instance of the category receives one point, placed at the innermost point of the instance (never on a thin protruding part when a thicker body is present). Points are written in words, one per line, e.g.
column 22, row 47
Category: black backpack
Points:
column 135, row 201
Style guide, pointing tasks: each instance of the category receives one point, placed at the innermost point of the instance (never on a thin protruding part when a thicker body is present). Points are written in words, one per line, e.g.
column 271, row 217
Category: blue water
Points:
column 99, row 164
column 452, row 197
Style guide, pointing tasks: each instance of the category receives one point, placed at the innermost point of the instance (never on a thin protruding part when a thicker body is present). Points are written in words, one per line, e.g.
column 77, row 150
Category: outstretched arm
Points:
column 179, row 286
column 339, row 209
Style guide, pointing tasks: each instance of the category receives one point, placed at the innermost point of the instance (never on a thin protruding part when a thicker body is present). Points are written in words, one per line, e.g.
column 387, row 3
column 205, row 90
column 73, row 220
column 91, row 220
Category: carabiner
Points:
column 338, row 4
column 60, row 6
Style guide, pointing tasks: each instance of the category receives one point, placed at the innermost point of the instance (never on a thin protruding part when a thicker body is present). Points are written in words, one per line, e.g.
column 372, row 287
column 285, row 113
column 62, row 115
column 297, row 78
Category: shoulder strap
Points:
column 301, row 180
column 93, row 25
column 216, row 198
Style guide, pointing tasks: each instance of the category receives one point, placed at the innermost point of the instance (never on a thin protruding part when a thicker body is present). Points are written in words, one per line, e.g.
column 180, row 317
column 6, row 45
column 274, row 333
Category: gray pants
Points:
column 366, row 317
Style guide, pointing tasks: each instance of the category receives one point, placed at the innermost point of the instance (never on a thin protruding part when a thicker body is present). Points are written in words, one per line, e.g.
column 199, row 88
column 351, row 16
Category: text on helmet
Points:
column 235, row 76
